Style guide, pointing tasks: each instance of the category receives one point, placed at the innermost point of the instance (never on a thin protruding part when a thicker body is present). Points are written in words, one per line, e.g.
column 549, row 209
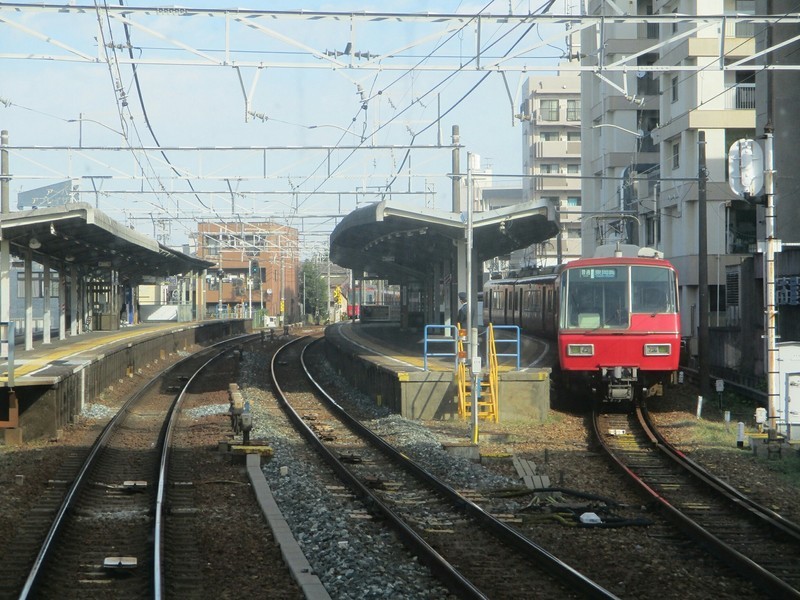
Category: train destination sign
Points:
column 604, row 273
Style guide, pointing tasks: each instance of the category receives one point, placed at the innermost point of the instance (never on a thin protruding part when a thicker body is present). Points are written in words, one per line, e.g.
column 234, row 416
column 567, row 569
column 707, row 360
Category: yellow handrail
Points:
column 461, row 376
column 487, row 403
column 494, row 386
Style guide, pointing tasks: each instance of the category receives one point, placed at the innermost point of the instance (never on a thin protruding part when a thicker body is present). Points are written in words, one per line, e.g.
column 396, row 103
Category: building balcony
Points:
column 741, row 97
column 621, row 159
column 708, row 47
column 556, row 182
column 740, row 30
column 625, row 46
column 556, row 150
column 722, row 119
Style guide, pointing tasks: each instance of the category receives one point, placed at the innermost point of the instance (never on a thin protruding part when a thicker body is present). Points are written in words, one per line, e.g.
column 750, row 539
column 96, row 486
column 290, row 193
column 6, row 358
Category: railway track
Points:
column 751, row 539
column 474, row 553
column 109, row 532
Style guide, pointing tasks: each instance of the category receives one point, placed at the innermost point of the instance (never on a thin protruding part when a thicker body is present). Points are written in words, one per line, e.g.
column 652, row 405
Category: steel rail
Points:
column 163, row 469
column 771, row 583
column 448, row 574
column 37, row 570
column 562, row 571
column 766, row 515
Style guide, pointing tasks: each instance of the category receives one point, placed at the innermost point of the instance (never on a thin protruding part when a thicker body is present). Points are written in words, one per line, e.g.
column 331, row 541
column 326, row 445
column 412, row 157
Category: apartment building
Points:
column 551, row 139
column 257, row 267
column 642, row 134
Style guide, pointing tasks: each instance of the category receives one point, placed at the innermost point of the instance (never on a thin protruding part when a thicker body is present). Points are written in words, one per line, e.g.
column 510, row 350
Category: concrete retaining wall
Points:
column 524, row 395
column 46, row 410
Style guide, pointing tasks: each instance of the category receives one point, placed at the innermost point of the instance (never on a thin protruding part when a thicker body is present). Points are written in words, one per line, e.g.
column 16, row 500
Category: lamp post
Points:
column 638, row 134
column 80, row 120
column 342, row 129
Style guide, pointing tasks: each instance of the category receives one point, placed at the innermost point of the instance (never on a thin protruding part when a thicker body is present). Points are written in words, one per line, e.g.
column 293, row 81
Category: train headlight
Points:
column 657, row 349
column 580, row 349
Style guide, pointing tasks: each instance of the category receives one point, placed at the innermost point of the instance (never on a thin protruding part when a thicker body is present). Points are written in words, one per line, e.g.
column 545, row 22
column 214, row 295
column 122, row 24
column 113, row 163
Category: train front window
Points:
column 653, row 290
column 595, row 297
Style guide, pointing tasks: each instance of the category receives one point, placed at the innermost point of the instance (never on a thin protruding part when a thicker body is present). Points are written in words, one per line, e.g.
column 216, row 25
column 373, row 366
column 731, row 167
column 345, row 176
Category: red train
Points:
column 615, row 317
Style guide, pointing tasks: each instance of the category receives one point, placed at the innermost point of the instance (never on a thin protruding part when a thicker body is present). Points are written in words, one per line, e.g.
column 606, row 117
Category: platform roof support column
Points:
column 5, row 245
column 182, row 295
column 450, row 289
column 200, row 298
column 62, row 302
column 28, row 284
column 114, row 300
column 46, row 314
column 437, row 296
column 73, row 300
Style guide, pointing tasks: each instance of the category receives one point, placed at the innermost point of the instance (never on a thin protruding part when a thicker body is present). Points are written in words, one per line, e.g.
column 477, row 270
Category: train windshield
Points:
column 605, row 296
column 653, row 290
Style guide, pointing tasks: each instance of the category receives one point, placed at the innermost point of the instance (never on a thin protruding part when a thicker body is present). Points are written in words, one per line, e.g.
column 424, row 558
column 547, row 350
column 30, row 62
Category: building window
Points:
column 548, row 168
column 37, row 285
column 574, row 169
column 549, row 110
column 676, row 155
column 573, row 110
column 716, row 298
column 548, row 136
column 573, row 136
column 212, row 246
column 573, row 201
column 674, row 89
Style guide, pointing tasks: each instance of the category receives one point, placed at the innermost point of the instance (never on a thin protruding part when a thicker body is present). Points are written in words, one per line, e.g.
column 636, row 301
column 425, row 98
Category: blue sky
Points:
column 42, row 101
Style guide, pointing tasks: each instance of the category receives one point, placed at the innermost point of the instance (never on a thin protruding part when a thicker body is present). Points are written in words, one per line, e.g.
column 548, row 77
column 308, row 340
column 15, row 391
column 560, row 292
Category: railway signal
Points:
column 255, row 272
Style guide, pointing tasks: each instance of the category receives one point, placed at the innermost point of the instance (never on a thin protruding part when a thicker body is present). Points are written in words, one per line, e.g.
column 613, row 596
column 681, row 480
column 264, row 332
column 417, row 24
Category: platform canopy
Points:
column 398, row 243
column 78, row 234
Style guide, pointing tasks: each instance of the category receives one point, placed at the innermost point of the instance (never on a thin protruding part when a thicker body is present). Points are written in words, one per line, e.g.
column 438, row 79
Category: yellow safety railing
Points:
column 462, row 377
column 494, row 386
column 487, row 399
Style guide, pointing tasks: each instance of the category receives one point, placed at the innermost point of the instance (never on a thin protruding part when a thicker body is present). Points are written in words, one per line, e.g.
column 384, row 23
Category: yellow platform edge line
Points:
column 78, row 347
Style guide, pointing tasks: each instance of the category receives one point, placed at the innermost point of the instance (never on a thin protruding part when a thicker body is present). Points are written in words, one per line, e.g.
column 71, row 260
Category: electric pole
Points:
column 702, row 269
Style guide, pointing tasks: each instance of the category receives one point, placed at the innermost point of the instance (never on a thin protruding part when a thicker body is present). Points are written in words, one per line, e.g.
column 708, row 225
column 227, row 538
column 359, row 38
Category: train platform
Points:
column 390, row 364
column 52, row 382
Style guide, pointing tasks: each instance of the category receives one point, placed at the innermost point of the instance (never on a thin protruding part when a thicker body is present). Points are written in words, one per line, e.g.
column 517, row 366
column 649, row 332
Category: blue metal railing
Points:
column 509, row 340
column 448, row 335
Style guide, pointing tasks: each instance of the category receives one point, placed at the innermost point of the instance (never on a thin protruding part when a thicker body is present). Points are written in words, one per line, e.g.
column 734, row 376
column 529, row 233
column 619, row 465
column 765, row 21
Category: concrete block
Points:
column 466, row 450
column 13, row 437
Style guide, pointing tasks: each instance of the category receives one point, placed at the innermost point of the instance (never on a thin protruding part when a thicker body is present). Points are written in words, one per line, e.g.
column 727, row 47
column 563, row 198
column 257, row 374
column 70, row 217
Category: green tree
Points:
column 314, row 289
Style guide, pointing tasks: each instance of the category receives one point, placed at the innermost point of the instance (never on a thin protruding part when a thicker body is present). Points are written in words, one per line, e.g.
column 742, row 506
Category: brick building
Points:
column 257, row 264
